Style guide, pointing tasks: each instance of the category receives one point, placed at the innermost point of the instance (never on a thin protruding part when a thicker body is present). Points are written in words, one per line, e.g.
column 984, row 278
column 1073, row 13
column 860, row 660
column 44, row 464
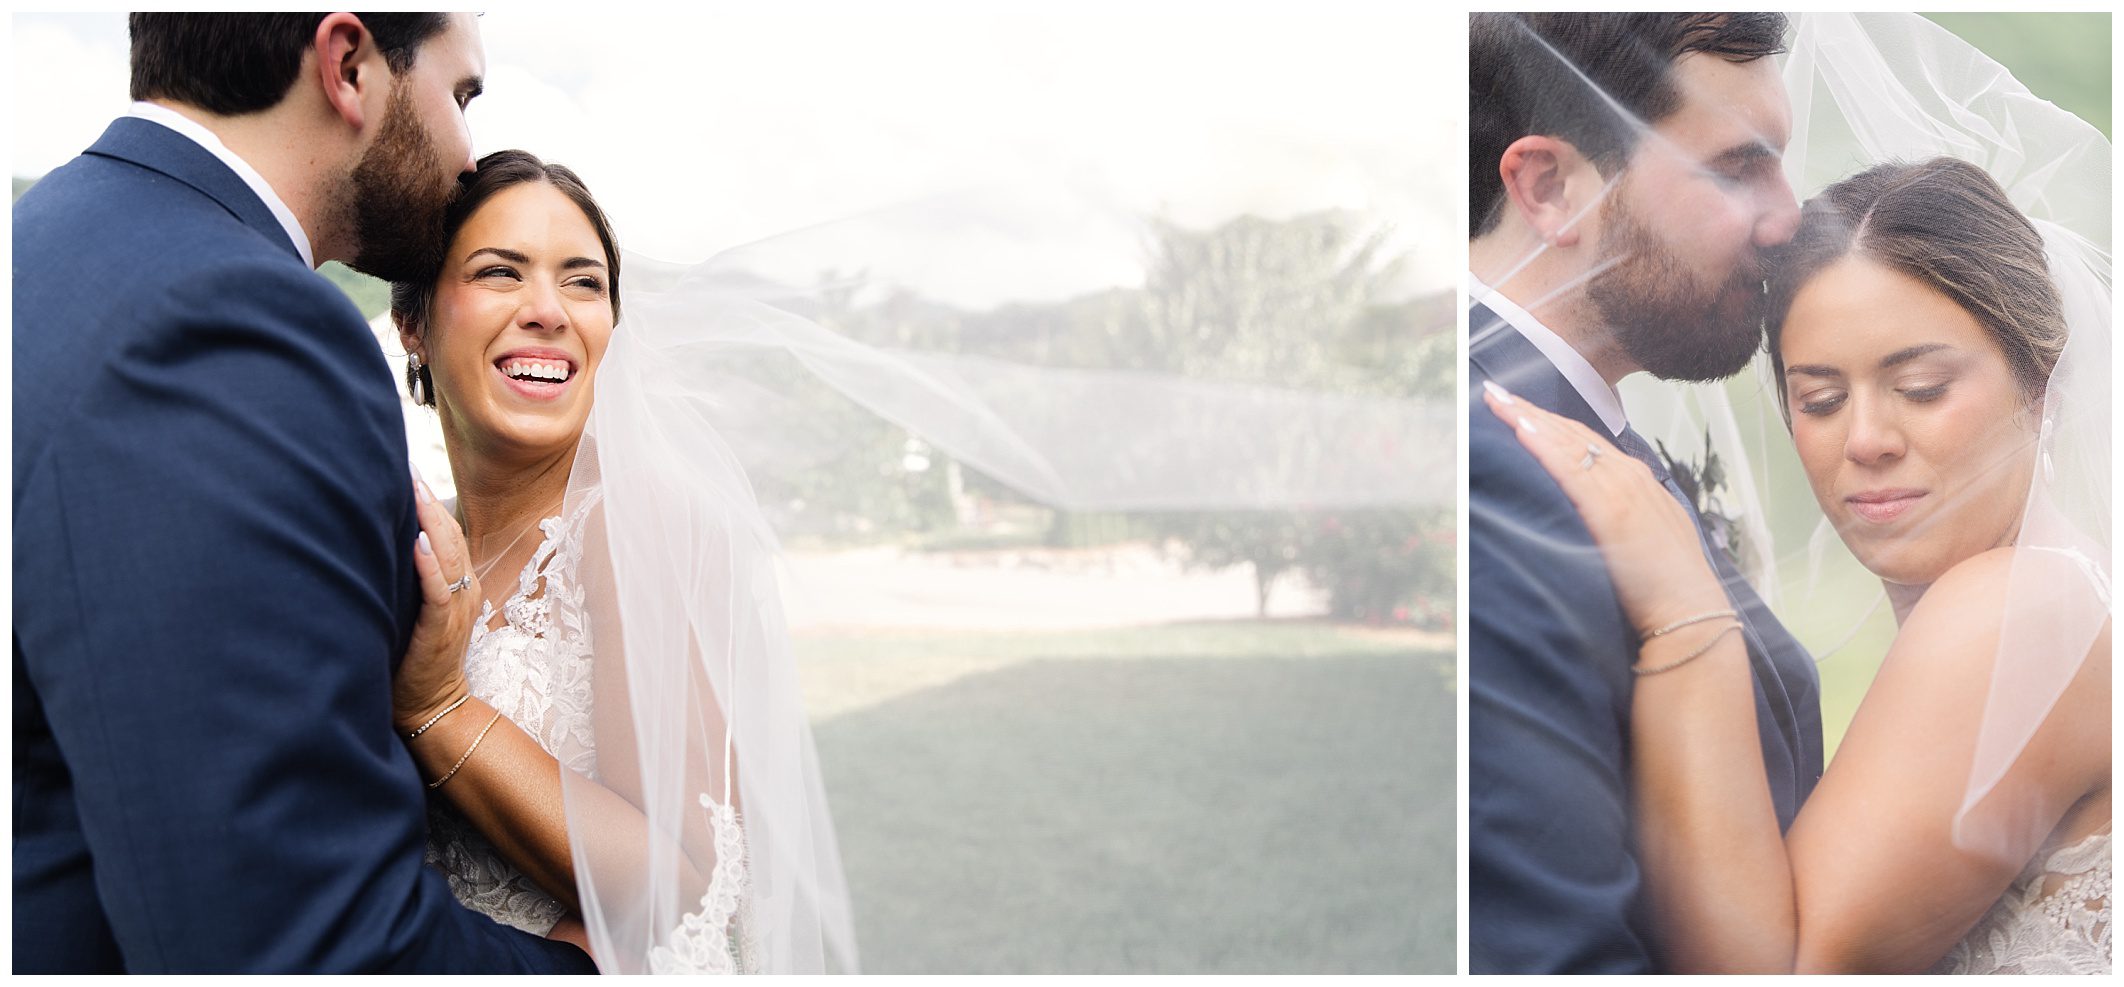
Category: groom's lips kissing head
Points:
column 407, row 177
column 1685, row 227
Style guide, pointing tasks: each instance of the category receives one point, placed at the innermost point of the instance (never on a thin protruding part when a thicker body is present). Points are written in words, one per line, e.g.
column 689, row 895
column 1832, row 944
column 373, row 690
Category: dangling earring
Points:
column 417, row 379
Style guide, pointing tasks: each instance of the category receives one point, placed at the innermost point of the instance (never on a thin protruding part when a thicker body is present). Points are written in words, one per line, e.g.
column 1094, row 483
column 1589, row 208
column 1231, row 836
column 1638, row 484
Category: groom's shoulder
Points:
column 1499, row 467
column 120, row 271
column 95, row 206
column 107, row 244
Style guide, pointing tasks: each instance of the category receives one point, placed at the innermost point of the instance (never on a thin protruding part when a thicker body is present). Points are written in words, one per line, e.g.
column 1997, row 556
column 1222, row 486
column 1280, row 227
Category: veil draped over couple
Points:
column 227, row 593
column 1927, row 246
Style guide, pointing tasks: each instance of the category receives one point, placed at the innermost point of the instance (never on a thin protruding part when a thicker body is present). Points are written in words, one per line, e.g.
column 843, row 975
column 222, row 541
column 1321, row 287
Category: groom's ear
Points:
column 1546, row 182
column 346, row 67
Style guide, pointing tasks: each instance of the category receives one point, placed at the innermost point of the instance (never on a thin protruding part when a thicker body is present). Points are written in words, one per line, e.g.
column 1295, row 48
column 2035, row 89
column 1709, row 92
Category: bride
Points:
column 1916, row 332
column 607, row 703
column 600, row 689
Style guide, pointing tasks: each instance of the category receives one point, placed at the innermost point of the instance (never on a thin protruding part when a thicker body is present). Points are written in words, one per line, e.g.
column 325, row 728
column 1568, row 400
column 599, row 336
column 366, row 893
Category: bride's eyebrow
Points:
column 504, row 253
column 1910, row 353
column 1904, row 355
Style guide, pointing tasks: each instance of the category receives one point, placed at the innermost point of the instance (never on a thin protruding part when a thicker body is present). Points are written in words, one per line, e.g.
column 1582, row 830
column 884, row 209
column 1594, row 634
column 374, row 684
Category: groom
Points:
column 1624, row 177
column 214, row 524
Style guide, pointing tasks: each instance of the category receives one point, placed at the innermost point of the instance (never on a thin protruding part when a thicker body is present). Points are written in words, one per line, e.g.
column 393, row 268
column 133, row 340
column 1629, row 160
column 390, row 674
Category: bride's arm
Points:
column 508, row 788
column 1869, row 877
column 498, row 776
column 1882, row 883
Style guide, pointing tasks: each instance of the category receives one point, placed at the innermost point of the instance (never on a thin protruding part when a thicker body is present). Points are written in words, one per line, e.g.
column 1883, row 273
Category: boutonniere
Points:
column 1704, row 484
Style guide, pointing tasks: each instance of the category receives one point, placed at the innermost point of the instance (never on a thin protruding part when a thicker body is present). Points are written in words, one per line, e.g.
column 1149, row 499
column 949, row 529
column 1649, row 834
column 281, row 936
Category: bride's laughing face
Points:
column 1915, row 436
column 521, row 317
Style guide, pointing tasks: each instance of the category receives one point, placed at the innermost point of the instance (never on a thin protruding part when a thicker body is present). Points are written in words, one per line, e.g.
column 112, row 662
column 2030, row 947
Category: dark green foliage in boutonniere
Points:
column 1704, row 484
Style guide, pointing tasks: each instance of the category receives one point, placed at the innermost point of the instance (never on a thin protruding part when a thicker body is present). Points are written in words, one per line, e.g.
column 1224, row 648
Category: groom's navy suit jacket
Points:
column 213, row 581
column 1553, row 881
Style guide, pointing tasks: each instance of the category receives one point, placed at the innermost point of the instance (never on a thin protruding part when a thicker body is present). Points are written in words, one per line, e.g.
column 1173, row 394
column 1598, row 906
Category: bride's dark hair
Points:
column 1948, row 224
column 497, row 172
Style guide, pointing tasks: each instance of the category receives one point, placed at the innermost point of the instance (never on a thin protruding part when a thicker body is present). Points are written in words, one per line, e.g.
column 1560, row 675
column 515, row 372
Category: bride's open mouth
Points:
column 1883, row 506
column 538, row 375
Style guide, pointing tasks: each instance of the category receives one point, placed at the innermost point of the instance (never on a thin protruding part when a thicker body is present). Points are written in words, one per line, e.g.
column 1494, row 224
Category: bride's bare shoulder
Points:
column 1954, row 638
column 1968, row 603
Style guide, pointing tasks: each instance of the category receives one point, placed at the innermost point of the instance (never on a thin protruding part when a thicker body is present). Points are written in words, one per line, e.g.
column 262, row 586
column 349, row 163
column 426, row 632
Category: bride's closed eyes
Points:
column 1918, row 374
column 1823, row 401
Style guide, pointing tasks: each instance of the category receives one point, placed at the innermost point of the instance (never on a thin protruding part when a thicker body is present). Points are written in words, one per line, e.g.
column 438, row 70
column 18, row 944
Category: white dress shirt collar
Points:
column 205, row 138
column 1605, row 401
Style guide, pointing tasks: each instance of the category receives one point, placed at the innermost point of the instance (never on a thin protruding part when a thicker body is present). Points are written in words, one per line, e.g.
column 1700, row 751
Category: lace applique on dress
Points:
column 534, row 669
column 2054, row 919
column 714, row 938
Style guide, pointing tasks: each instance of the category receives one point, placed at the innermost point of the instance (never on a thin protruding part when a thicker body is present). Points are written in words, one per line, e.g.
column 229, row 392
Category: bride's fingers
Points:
column 439, row 557
column 1600, row 479
column 447, row 540
column 434, row 589
column 1559, row 444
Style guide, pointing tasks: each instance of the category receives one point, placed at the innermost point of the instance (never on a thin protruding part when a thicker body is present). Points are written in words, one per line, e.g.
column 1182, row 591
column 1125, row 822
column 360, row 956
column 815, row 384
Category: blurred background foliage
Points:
column 2062, row 57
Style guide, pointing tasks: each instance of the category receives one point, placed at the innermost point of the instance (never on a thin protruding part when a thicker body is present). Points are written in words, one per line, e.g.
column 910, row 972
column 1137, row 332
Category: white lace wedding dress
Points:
column 2055, row 918
column 535, row 669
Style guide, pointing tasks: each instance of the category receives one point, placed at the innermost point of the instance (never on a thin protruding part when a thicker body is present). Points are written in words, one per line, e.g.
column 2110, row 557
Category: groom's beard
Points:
column 400, row 192
column 1663, row 316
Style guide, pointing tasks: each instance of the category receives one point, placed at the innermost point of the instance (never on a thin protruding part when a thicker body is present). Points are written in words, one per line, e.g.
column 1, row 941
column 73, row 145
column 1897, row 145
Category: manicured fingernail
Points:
column 425, row 548
column 1526, row 424
column 1499, row 393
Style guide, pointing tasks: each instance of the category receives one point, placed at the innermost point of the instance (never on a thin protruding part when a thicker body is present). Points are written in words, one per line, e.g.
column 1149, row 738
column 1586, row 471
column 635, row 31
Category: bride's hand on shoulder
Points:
column 432, row 676
column 1645, row 536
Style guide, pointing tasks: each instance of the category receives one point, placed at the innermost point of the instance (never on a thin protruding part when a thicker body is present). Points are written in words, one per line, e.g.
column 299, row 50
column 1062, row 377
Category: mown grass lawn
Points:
column 1213, row 797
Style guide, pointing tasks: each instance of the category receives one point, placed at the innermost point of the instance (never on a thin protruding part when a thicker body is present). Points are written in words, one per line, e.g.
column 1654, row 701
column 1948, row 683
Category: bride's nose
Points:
column 1875, row 435
column 542, row 309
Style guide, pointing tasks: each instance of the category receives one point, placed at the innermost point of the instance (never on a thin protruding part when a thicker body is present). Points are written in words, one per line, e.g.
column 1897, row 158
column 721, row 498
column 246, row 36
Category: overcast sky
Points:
column 705, row 130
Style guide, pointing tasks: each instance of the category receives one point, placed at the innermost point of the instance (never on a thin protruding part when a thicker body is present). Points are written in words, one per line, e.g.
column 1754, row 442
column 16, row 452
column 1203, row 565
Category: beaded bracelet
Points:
column 438, row 783
column 438, row 717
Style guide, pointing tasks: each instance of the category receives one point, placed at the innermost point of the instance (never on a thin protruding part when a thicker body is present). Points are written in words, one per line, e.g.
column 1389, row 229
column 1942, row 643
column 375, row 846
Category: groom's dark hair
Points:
column 232, row 64
column 1555, row 73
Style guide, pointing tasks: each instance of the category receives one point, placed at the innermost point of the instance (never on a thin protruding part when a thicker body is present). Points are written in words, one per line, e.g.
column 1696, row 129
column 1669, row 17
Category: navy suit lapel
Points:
column 1505, row 356
column 1500, row 353
column 158, row 148
column 1753, row 612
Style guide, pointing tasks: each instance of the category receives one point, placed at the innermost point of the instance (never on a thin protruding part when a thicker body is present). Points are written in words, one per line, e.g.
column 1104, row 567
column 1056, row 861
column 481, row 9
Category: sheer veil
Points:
column 718, row 852
column 1867, row 89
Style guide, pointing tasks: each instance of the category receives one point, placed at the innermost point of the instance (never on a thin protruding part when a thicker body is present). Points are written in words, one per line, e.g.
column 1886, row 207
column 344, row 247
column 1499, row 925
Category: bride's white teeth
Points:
column 535, row 370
